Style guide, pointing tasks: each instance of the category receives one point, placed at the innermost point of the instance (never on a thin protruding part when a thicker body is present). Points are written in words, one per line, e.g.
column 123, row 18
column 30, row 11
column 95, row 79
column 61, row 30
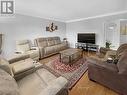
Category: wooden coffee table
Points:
column 69, row 56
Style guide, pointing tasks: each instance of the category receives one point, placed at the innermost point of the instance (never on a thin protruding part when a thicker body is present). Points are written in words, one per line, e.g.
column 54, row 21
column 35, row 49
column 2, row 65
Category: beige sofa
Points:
column 35, row 82
column 24, row 47
column 50, row 45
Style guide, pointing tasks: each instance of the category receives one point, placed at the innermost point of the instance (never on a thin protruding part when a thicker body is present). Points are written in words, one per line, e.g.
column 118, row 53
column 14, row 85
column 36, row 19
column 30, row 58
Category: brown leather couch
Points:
column 102, row 52
column 105, row 53
column 50, row 45
column 113, row 76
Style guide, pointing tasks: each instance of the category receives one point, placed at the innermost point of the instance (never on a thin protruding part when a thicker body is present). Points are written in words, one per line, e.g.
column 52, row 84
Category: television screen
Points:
column 86, row 38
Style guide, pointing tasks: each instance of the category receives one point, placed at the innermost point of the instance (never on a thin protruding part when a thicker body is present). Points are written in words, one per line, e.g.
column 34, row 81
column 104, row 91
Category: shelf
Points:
column 87, row 46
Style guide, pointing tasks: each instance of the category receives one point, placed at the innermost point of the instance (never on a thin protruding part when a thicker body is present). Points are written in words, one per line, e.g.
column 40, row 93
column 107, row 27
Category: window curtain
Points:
column 0, row 43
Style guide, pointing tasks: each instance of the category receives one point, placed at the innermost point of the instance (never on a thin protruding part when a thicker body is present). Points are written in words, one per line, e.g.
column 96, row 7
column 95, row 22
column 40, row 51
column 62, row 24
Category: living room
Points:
column 57, row 25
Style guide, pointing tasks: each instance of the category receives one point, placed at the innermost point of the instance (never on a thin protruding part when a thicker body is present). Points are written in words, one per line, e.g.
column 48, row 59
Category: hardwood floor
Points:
column 87, row 87
column 84, row 85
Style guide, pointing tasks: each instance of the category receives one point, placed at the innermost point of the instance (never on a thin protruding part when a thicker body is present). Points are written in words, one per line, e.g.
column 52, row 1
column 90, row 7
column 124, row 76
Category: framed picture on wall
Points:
column 123, row 30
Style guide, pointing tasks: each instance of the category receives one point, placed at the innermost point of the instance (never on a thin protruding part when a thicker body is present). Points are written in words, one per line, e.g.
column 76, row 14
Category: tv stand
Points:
column 87, row 46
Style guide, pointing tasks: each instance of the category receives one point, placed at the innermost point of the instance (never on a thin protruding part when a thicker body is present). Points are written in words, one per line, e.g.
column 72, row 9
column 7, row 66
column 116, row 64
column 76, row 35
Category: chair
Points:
column 23, row 47
column 113, row 76
column 105, row 53
column 102, row 52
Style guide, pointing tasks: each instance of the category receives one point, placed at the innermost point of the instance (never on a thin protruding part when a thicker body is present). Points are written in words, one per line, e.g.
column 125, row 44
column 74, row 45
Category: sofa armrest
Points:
column 18, row 52
column 18, row 57
column 110, row 54
column 102, row 71
column 55, row 87
column 104, row 66
column 65, row 42
column 103, row 50
column 41, row 52
column 34, row 48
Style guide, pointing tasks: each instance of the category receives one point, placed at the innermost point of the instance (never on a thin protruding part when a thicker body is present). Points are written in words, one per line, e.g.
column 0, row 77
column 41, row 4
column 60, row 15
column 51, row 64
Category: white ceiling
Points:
column 68, row 10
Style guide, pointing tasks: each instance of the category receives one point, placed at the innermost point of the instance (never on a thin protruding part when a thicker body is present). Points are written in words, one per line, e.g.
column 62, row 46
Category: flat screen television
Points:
column 86, row 38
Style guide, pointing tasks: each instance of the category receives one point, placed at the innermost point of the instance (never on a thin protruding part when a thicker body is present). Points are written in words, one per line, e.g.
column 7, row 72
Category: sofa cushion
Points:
column 46, row 75
column 57, row 47
column 22, row 66
column 60, row 81
column 54, row 87
column 33, row 53
column 122, row 63
column 50, row 43
column 31, row 85
column 8, row 85
column 57, row 40
column 49, row 50
column 41, row 42
column 4, row 64
column 63, row 46
column 23, row 48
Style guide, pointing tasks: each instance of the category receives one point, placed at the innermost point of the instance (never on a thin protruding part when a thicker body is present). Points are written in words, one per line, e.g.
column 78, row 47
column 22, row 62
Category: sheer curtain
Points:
column 0, row 43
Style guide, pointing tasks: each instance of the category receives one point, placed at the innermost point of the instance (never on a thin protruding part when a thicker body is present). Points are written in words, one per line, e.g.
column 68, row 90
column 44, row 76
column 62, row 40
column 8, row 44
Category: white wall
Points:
column 91, row 25
column 25, row 27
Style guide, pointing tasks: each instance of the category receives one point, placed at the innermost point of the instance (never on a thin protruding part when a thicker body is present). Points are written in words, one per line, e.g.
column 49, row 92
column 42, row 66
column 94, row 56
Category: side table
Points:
column 37, row 64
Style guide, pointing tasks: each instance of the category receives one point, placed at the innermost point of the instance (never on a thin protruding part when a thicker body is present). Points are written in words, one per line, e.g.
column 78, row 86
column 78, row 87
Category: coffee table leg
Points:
column 60, row 57
column 69, row 59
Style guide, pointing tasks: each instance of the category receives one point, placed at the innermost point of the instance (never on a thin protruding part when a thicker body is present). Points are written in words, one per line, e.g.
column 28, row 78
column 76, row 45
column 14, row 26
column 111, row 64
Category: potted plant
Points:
column 108, row 43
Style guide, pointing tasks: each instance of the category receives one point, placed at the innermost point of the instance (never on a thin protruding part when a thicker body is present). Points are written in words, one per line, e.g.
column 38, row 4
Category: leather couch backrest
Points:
column 23, row 45
column 41, row 42
column 47, row 41
column 122, row 63
column 120, row 50
column 50, row 41
column 57, row 40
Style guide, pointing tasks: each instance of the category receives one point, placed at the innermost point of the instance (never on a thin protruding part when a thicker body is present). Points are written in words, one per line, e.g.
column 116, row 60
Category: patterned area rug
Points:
column 71, row 73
